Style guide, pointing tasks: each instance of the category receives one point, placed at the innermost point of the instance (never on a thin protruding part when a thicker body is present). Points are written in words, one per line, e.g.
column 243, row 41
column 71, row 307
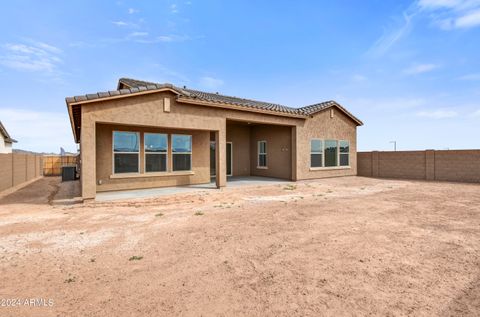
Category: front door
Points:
column 213, row 166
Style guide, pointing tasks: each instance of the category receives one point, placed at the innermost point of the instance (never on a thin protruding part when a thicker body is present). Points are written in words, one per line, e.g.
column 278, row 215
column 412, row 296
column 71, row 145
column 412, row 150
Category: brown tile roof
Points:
column 128, row 86
column 5, row 134
column 312, row 109
column 215, row 97
column 113, row 93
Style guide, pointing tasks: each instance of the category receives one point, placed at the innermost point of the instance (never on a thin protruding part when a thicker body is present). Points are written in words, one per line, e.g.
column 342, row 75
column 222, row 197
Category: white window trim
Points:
column 191, row 151
column 113, row 152
column 322, row 153
column 145, row 153
column 263, row 153
column 338, row 146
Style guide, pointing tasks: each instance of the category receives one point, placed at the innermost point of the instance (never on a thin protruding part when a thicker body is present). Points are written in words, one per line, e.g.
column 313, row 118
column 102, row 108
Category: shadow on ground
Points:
column 45, row 191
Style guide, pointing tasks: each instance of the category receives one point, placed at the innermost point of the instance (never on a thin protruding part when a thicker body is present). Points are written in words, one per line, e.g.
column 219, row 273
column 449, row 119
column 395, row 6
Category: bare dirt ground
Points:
column 342, row 246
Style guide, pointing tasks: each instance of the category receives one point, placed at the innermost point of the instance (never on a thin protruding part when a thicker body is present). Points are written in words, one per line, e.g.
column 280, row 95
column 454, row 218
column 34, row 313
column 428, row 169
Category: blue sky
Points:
column 409, row 69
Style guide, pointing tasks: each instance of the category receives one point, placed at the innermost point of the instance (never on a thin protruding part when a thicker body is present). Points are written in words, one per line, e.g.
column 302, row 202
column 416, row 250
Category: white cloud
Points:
column 437, row 114
column 210, row 82
column 359, row 78
column 445, row 14
column 34, row 57
column 470, row 77
column 142, row 37
column 394, row 34
column 165, row 38
column 420, row 69
column 173, row 8
column 137, row 34
column 457, row 5
column 453, row 14
column 468, row 20
column 37, row 130
column 132, row 11
column 125, row 24
column 120, row 23
column 476, row 113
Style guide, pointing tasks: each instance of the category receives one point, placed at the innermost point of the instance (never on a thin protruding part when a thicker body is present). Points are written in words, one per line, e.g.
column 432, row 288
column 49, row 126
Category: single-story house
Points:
column 5, row 140
column 146, row 135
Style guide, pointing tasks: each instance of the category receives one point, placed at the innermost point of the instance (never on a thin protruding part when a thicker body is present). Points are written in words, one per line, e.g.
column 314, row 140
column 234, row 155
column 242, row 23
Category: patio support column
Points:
column 221, row 157
column 87, row 155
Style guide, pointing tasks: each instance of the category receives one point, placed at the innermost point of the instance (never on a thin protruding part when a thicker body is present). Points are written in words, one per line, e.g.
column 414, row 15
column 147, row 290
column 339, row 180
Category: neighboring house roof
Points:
column 5, row 134
column 131, row 87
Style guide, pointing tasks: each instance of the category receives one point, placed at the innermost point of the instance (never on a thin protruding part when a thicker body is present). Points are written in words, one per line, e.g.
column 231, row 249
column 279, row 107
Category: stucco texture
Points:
column 288, row 140
column 104, row 168
column 325, row 125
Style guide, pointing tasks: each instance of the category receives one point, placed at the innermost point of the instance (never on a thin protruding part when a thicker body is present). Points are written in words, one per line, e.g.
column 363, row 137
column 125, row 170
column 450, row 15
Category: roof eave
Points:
column 139, row 93
column 72, row 123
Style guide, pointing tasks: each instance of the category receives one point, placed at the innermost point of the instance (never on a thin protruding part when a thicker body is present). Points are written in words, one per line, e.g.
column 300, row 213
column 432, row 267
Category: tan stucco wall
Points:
column 323, row 126
column 239, row 135
column 279, row 158
column 104, row 155
column 146, row 111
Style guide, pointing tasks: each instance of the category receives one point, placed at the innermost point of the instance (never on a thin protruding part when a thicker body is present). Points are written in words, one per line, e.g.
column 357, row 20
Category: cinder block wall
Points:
column 16, row 169
column 445, row 165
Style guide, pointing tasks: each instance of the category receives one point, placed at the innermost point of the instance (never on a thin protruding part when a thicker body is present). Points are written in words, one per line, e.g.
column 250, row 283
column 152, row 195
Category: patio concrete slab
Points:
column 163, row 191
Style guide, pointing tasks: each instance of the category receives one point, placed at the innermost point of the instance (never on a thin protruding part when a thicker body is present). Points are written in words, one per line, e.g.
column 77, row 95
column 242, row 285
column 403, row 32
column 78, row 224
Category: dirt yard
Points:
column 342, row 246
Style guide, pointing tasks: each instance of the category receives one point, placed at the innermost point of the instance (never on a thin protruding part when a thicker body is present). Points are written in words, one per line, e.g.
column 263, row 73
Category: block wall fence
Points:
column 444, row 165
column 16, row 168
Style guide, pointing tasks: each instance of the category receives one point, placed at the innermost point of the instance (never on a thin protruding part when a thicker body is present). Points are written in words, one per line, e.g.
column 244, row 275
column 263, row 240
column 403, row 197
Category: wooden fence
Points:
column 16, row 168
column 52, row 164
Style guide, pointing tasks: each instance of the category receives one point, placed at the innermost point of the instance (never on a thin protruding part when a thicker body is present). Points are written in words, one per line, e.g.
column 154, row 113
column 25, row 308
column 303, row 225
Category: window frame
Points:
column 325, row 155
column 340, row 153
column 191, row 151
column 138, row 153
column 321, row 153
column 337, row 166
column 145, row 153
column 262, row 153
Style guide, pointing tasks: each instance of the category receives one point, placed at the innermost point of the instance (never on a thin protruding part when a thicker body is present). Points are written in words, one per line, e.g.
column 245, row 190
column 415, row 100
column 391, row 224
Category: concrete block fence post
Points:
column 375, row 156
column 430, row 165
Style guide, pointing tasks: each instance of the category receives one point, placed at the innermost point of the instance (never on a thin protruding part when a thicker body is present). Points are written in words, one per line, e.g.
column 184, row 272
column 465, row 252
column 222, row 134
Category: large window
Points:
column 316, row 153
column 156, row 146
column 262, row 154
column 331, row 153
column 126, row 152
column 344, row 153
column 181, row 152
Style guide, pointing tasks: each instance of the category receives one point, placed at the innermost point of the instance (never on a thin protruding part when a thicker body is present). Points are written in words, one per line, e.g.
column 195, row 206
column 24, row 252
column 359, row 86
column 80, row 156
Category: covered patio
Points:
column 255, row 149
column 233, row 181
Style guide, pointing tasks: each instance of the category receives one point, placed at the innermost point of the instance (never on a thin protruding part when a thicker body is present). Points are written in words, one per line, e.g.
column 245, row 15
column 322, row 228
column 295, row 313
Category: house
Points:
column 146, row 135
column 5, row 140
